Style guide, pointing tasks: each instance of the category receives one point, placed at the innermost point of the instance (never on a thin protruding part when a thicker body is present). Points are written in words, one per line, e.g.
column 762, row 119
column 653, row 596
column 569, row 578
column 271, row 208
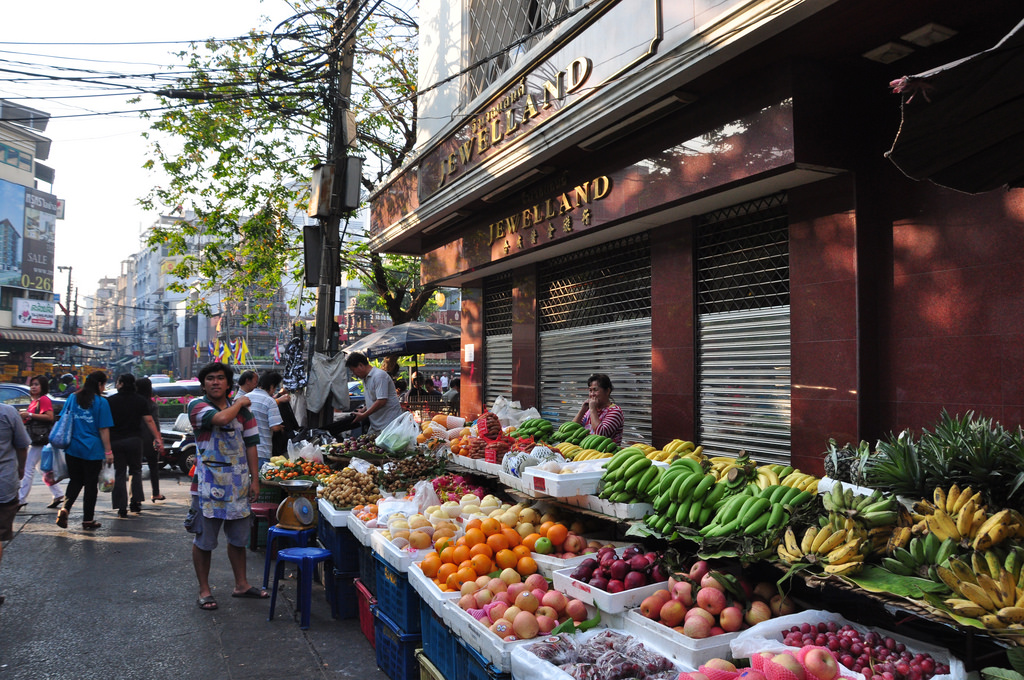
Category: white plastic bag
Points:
column 306, row 450
column 424, row 495
column 107, row 478
column 400, row 434
column 360, row 465
column 516, row 416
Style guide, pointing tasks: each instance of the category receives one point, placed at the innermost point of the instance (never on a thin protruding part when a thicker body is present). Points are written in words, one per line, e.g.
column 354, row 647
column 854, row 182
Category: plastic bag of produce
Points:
column 306, row 450
column 767, row 636
column 400, row 434
column 424, row 495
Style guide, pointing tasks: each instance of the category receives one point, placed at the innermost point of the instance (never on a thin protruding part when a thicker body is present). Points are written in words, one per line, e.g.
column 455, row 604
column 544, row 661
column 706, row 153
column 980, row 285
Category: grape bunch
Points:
column 876, row 656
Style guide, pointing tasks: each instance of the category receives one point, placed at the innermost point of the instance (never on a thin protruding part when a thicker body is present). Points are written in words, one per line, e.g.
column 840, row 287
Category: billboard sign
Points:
column 36, row 314
column 27, row 224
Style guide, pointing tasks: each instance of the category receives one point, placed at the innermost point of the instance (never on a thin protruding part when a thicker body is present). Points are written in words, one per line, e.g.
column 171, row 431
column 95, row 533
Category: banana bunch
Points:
column 876, row 539
column 569, row 431
column 567, row 449
column 680, row 447
column 735, row 472
column 960, row 515
column 685, row 496
column 629, row 477
column 753, row 514
column 766, row 476
column 871, row 511
column 800, row 480
column 591, row 454
column 836, row 550
column 988, row 589
column 922, row 557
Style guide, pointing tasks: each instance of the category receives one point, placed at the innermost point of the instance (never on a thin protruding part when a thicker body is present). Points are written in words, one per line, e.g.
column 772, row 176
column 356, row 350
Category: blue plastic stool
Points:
column 300, row 537
column 305, row 560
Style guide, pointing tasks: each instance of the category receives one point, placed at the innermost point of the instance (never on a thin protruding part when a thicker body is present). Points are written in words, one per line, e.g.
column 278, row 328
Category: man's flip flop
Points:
column 253, row 593
column 207, row 603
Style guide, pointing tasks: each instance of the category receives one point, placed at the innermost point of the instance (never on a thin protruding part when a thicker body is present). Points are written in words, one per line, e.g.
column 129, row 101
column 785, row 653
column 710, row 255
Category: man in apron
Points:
column 226, row 479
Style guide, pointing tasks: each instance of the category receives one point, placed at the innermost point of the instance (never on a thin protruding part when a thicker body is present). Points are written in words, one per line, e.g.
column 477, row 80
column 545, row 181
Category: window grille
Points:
column 497, row 312
column 494, row 25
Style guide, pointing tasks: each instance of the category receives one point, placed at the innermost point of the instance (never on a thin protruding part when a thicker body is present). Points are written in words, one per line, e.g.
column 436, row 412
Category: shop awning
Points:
column 963, row 123
column 47, row 338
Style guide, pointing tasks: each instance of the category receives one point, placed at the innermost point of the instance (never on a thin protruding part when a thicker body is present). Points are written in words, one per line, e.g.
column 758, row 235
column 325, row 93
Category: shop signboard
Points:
column 27, row 224
column 35, row 314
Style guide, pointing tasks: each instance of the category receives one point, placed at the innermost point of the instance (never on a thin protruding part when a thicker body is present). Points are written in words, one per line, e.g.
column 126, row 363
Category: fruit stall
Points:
column 539, row 551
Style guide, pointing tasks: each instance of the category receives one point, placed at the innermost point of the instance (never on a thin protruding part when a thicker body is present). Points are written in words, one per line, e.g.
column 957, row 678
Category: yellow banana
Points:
column 996, row 528
column 966, row 607
column 941, row 524
column 977, row 595
column 965, row 518
column 832, row 542
column 995, row 593
column 939, row 497
column 845, row 553
column 787, row 556
column 961, row 571
column 819, row 538
column 951, row 497
column 844, row 568
column 808, row 539
column 948, row 577
column 1010, row 615
column 792, row 544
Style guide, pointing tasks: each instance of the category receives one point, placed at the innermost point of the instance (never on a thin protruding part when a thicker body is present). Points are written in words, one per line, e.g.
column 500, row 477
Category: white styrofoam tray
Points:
column 488, row 468
column 613, row 603
column 561, row 486
column 428, row 590
column 617, row 510
column 548, row 565
column 527, row 666
column 397, row 557
column 516, row 483
column 688, row 651
column 333, row 516
column 359, row 529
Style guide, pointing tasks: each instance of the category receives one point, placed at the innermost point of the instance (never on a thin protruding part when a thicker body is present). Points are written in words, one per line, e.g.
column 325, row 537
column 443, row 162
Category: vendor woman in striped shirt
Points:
column 598, row 414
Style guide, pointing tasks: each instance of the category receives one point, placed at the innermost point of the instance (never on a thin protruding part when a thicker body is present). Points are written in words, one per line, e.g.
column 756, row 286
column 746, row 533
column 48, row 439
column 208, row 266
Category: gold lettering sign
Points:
column 564, row 204
column 513, row 115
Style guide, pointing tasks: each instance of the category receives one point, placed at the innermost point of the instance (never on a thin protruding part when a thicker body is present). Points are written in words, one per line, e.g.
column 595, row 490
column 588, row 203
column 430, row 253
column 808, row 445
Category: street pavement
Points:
column 120, row 602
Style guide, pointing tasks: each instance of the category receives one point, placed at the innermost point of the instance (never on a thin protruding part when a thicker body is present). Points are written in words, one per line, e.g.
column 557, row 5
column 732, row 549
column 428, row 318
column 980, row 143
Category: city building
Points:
column 695, row 199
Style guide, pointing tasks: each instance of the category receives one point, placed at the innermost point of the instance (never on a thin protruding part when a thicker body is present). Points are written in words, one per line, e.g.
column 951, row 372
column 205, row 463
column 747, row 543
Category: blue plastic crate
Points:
column 472, row 666
column 343, row 545
column 367, row 569
column 439, row 643
column 341, row 595
column 396, row 598
column 396, row 651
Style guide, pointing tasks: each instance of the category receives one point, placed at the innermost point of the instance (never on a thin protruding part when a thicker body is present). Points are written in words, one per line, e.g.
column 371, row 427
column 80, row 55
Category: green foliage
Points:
column 238, row 137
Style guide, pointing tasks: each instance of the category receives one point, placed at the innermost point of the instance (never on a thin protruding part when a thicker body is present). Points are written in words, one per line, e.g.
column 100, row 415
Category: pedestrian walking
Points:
column 14, row 443
column 38, row 419
column 90, row 446
column 130, row 413
column 151, row 450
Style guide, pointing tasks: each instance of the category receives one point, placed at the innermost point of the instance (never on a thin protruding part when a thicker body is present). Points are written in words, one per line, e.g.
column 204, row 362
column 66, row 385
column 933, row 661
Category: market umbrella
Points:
column 414, row 337
column 963, row 123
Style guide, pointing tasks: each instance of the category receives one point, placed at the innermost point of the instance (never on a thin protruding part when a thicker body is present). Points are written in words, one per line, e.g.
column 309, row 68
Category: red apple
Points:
column 821, row 663
column 698, row 570
column 671, row 613
column 651, row 607
column 577, row 610
column 751, row 674
column 555, row 600
column 765, row 590
column 757, row 612
column 721, row 664
column 789, row 662
column 709, row 581
column 782, row 606
column 730, row 619
column 683, row 591
column 711, row 600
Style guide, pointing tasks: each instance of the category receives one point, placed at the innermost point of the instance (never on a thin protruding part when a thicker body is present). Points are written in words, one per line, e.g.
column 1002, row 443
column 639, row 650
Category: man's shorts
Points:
column 7, row 513
column 235, row 530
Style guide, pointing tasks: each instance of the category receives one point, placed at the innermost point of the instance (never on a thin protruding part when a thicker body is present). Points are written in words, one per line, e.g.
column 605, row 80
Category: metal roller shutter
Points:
column 744, row 331
column 595, row 317
column 497, row 296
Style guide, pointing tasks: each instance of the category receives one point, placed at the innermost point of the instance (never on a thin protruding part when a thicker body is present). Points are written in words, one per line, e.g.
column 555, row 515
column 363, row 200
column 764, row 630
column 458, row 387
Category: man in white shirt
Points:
column 266, row 412
column 382, row 404
column 247, row 382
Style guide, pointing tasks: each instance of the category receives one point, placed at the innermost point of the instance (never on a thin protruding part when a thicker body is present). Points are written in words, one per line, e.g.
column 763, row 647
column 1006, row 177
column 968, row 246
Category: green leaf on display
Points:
column 1016, row 657
column 939, row 603
column 877, row 580
column 993, row 673
column 642, row 530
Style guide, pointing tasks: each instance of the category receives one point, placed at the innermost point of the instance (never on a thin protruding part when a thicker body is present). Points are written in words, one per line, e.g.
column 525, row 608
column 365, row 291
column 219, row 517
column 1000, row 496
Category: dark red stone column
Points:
column 524, row 336
column 471, row 392
column 672, row 341
column 823, row 319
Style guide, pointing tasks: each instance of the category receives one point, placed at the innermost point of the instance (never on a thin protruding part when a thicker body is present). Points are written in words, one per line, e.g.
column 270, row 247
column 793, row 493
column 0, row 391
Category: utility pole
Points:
column 67, row 301
column 342, row 57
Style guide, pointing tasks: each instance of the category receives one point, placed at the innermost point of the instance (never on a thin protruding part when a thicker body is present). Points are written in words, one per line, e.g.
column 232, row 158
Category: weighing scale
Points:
column 296, row 512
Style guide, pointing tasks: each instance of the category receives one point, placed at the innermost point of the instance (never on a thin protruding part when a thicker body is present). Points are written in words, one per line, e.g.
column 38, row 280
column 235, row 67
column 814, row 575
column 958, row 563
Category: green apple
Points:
column 544, row 546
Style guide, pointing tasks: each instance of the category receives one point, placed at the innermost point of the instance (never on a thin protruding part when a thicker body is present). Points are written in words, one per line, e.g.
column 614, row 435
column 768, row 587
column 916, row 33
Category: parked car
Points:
column 18, row 396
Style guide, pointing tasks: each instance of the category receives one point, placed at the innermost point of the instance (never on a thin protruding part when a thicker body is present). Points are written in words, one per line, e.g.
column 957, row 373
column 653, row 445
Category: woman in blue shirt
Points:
column 90, row 446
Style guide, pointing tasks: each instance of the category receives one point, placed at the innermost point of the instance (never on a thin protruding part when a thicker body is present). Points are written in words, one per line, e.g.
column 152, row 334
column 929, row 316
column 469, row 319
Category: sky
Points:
column 98, row 158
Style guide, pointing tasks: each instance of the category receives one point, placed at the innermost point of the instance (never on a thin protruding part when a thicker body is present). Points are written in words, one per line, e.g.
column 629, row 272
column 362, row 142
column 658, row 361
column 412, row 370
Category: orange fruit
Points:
column 490, row 526
column 446, row 570
column 512, row 535
column 466, row 564
column 482, row 565
column 521, row 551
column 557, row 534
column 506, row 559
column 497, row 542
column 430, row 566
column 443, row 541
column 543, row 528
column 473, row 523
column 466, row 574
column 453, row 582
column 526, row 566
column 448, row 554
column 530, row 540
column 461, row 540
column 474, row 537
column 460, row 553
column 481, row 549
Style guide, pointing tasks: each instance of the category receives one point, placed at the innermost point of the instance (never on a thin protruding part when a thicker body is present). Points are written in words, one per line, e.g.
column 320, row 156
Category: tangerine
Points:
column 466, row 574
column 474, row 537
column 543, row 528
column 521, row 551
column 557, row 534
column 512, row 535
column 447, row 554
column 506, row 559
column 430, row 566
column 441, row 542
column 473, row 523
column 460, row 553
column 531, row 540
column 497, row 542
column 526, row 566
column 490, row 526
column 482, row 565
column 453, row 582
column 446, row 570
column 481, row 549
